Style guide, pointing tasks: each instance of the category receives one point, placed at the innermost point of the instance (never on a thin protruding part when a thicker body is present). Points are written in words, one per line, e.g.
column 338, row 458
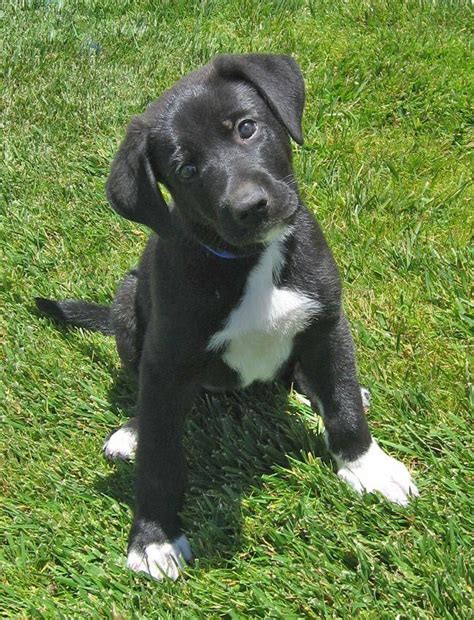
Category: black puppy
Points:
column 237, row 285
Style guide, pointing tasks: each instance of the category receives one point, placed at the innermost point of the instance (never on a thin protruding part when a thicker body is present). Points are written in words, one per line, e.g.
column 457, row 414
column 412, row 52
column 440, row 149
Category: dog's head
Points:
column 219, row 142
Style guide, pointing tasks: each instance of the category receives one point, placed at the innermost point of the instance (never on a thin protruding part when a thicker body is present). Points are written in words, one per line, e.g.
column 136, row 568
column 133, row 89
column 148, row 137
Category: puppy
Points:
column 236, row 286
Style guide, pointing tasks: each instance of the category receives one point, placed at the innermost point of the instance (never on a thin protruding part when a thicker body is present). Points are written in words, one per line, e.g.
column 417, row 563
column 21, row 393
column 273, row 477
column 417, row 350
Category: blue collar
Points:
column 225, row 254
column 221, row 254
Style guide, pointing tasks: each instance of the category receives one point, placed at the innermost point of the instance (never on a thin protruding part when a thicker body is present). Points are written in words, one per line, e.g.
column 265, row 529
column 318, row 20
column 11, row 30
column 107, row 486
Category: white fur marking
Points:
column 259, row 332
column 161, row 560
column 121, row 445
column 366, row 396
column 375, row 470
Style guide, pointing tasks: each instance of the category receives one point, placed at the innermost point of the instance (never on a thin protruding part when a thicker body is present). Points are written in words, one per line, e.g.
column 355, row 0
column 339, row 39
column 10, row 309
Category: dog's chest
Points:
column 257, row 338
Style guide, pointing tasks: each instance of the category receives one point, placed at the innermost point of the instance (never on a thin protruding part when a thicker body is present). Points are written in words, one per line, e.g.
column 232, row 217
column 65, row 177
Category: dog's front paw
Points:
column 160, row 560
column 375, row 470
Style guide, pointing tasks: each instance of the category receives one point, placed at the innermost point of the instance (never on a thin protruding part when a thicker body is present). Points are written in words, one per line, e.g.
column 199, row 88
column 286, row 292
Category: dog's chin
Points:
column 244, row 240
column 244, row 243
column 237, row 244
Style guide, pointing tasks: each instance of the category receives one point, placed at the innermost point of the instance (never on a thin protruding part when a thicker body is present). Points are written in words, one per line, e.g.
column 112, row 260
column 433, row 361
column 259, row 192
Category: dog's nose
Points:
column 250, row 207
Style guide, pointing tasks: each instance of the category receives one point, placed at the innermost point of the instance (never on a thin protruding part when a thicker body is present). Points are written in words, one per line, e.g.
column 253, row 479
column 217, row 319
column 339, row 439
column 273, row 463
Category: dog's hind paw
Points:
column 121, row 444
column 366, row 396
column 377, row 471
column 161, row 560
column 364, row 392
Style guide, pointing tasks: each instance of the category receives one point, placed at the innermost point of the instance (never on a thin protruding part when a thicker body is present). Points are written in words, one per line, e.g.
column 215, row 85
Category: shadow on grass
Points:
column 232, row 441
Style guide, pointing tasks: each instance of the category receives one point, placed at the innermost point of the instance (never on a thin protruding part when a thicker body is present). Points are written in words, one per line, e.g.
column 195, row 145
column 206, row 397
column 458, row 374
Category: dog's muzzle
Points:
column 252, row 211
column 250, row 207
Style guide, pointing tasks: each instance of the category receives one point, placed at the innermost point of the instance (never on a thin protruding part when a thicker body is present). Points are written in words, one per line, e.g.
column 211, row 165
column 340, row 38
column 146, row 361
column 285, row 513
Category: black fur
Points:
column 78, row 313
column 166, row 311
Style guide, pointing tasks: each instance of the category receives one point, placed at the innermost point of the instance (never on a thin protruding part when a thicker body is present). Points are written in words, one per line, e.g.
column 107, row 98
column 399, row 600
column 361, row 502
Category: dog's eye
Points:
column 187, row 171
column 247, row 128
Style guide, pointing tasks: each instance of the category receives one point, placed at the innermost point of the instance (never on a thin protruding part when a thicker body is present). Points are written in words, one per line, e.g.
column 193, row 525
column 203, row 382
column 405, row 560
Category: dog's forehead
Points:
column 218, row 98
column 199, row 106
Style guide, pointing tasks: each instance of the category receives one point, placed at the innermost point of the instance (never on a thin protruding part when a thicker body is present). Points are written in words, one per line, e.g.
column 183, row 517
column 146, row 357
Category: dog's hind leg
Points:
column 125, row 321
column 121, row 444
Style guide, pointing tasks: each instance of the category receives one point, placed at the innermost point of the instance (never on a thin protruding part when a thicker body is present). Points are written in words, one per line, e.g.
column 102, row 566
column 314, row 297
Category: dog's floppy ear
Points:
column 277, row 79
column 131, row 188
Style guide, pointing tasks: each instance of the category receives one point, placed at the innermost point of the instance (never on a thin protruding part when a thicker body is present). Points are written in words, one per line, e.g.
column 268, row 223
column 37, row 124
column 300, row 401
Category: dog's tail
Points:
column 78, row 313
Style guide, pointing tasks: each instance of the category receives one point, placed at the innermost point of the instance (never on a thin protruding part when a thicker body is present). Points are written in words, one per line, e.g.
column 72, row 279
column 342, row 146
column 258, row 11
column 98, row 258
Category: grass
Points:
column 387, row 169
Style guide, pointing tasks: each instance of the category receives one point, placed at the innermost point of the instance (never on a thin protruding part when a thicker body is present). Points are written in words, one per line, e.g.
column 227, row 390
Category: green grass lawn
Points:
column 387, row 169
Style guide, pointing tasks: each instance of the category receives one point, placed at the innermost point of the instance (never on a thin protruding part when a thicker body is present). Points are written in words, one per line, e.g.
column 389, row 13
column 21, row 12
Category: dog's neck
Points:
column 209, row 242
column 221, row 253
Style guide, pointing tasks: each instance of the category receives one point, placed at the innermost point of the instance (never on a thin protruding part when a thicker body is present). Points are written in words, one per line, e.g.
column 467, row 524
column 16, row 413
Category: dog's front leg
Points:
column 328, row 374
column 157, row 545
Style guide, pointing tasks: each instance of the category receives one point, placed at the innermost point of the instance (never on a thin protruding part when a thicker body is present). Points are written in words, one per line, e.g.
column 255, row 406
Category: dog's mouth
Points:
column 237, row 244
column 247, row 242
column 225, row 234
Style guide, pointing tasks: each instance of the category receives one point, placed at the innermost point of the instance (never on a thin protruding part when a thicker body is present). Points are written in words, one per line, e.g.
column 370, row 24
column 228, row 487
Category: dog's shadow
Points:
column 232, row 442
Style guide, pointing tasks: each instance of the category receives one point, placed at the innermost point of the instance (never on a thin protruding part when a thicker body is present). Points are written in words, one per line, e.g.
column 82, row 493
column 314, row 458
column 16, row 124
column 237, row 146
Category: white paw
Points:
column 304, row 400
column 377, row 471
column 161, row 560
column 366, row 396
column 121, row 445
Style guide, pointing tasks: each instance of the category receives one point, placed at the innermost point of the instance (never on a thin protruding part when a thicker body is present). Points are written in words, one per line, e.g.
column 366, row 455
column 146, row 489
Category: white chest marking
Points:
column 258, row 335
